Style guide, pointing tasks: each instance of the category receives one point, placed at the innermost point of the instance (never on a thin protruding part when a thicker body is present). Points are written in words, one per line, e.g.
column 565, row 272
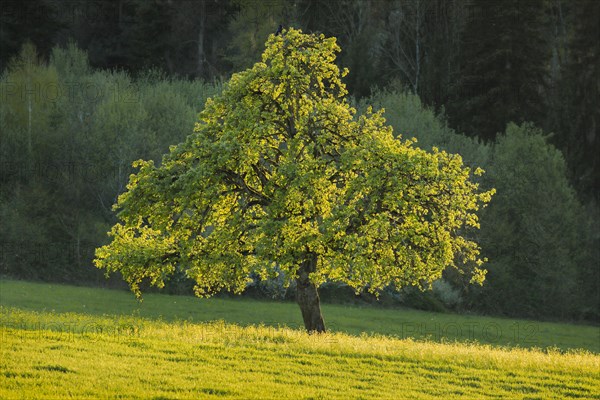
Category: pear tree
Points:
column 281, row 176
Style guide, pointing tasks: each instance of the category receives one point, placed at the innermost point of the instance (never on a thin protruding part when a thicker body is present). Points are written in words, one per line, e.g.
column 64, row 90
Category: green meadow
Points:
column 60, row 341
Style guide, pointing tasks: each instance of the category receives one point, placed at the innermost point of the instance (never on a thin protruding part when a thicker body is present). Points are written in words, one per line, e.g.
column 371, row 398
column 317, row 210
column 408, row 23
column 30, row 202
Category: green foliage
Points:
column 280, row 171
column 410, row 117
column 60, row 169
column 486, row 62
column 70, row 61
column 542, row 244
column 357, row 25
column 69, row 134
column 531, row 232
column 29, row 87
column 588, row 259
column 249, row 29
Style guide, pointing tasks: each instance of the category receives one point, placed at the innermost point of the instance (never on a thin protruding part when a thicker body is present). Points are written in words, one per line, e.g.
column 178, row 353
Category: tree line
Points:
column 483, row 63
column 79, row 106
column 71, row 132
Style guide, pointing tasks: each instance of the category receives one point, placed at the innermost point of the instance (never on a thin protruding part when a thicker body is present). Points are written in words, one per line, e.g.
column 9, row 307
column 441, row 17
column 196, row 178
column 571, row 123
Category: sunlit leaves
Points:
column 279, row 169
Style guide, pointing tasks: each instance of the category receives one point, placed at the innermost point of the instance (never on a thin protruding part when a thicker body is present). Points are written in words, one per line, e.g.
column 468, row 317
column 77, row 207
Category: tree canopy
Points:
column 282, row 177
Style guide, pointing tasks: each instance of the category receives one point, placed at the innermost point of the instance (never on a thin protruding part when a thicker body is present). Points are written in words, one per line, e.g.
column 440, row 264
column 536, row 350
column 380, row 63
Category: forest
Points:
column 89, row 86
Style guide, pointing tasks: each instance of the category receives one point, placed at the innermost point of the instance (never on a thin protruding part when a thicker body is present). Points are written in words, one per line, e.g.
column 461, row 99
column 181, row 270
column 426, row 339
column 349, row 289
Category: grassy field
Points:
column 71, row 342
column 353, row 320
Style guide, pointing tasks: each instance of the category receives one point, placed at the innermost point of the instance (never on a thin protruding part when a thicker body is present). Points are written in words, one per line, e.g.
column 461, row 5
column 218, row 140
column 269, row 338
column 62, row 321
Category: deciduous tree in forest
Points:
column 281, row 176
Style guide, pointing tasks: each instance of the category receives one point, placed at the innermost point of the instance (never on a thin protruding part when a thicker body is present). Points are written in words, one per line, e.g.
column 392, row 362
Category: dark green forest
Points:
column 89, row 86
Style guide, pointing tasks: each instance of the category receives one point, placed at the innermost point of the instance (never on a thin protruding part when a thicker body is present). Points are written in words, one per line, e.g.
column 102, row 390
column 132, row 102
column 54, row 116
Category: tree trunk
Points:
column 308, row 297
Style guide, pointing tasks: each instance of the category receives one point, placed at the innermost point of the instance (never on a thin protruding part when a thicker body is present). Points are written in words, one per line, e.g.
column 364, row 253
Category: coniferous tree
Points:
column 503, row 67
column 443, row 23
column 579, row 122
column 36, row 21
column 356, row 24
column 151, row 37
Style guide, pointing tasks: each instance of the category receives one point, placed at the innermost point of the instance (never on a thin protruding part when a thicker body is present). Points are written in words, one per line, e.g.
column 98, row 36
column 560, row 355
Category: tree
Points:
column 23, row 21
column 531, row 233
column 356, row 25
column 405, row 48
column 279, row 175
column 250, row 27
column 578, row 125
column 443, row 25
column 503, row 67
column 27, row 105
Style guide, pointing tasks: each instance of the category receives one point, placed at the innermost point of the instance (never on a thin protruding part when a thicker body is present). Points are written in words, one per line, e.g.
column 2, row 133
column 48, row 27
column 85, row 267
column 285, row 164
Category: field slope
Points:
column 73, row 346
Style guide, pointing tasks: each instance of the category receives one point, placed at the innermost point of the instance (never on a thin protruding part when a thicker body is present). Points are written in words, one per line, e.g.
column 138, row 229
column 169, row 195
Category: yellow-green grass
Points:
column 73, row 355
column 60, row 341
column 399, row 323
